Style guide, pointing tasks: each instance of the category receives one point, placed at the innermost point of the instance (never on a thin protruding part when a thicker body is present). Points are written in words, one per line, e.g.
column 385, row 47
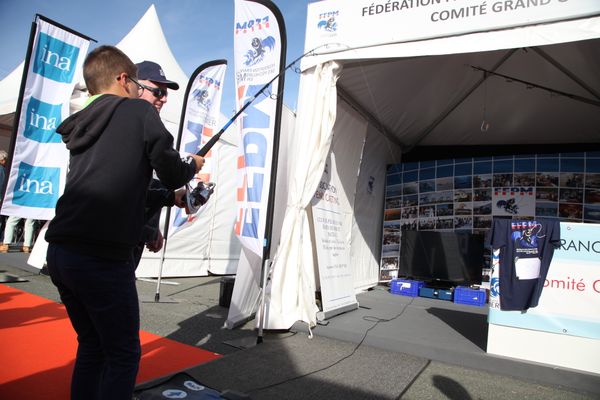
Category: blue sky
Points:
column 196, row 30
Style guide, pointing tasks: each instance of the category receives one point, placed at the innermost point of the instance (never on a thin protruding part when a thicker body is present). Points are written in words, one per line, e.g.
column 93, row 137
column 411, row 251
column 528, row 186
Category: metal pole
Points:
column 261, row 311
column 160, row 268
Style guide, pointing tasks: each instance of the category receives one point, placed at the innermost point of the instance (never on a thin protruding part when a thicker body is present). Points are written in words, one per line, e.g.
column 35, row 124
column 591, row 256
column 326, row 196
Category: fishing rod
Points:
column 199, row 196
column 205, row 149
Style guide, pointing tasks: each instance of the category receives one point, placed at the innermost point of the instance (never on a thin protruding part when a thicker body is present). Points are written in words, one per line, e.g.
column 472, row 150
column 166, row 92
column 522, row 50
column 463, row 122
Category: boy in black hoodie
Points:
column 115, row 142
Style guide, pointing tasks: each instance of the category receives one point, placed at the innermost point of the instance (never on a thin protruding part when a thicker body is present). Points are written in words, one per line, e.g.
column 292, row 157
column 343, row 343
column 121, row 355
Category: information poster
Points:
column 332, row 226
column 464, row 194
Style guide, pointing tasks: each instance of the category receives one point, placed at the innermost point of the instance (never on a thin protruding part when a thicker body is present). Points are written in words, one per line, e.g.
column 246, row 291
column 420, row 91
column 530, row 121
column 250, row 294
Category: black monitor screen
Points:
column 446, row 257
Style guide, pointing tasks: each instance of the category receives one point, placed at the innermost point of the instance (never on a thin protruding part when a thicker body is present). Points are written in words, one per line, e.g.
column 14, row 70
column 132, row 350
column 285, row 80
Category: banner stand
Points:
column 323, row 316
column 37, row 154
column 202, row 101
column 249, row 342
column 253, row 69
column 266, row 273
column 9, row 278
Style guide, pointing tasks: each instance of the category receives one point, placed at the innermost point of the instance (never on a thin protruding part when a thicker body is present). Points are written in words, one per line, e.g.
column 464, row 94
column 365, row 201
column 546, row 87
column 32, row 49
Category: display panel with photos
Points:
column 465, row 194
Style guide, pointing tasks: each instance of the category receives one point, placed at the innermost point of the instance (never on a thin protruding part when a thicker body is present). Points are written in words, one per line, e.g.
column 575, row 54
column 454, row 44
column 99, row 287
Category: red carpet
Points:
column 38, row 345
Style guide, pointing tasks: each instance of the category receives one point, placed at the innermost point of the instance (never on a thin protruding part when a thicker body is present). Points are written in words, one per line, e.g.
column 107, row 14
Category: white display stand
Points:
column 544, row 347
column 564, row 329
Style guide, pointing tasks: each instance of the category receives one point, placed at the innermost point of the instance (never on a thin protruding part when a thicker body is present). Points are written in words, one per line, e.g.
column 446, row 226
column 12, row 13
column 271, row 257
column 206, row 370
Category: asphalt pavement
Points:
column 291, row 365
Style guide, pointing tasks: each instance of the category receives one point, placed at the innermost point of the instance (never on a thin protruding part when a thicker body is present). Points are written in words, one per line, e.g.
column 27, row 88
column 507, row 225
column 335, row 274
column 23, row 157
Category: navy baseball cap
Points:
column 151, row 71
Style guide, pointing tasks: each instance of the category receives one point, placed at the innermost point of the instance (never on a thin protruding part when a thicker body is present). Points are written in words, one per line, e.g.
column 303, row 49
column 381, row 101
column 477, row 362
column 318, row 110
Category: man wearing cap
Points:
column 155, row 84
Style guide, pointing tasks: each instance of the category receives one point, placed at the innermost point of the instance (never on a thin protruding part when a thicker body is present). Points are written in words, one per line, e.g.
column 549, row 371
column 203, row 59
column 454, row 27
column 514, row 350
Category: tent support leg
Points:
column 565, row 71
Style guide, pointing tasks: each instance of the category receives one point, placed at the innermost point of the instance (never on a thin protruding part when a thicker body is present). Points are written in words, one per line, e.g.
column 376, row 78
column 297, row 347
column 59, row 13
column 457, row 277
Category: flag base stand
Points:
column 8, row 278
column 252, row 341
column 157, row 299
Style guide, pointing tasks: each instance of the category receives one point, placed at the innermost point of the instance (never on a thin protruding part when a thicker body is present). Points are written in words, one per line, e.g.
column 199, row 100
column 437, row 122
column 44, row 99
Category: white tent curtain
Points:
column 365, row 246
column 291, row 292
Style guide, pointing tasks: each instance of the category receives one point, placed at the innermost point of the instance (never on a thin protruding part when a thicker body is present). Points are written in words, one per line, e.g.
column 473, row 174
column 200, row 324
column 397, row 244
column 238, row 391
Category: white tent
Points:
column 422, row 78
column 146, row 41
column 9, row 91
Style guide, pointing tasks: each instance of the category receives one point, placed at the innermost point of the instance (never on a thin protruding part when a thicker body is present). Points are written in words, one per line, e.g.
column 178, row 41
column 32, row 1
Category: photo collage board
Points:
column 465, row 194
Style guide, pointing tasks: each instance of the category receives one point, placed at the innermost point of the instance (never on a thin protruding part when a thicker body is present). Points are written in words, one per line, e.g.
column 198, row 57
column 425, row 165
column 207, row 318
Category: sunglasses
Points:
column 157, row 92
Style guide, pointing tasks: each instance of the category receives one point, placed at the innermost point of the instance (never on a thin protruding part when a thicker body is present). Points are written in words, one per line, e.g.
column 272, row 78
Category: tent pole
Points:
column 161, row 262
column 261, row 310
column 565, row 71
column 162, row 257
column 546, row 88
column 160, row 267
column 344, row 95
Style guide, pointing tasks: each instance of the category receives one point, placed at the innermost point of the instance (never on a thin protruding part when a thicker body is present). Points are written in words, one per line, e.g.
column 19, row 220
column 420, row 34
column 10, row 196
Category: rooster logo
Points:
column 259, row 49
column 509, row 206
column 495, row 287
column 200, row 96
column 528, row 236
column 330, row 25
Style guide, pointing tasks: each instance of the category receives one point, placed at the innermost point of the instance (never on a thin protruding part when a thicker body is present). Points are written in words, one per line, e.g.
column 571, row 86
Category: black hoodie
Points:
column 114, row 144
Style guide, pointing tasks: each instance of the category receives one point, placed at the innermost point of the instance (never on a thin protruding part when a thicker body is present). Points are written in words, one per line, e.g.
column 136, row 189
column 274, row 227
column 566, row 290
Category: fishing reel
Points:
column 197, row 197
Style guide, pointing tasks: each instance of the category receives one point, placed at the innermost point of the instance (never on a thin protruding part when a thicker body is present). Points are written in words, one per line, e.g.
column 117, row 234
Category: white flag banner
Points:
column 40, row 159
column 201, row 118
column 257, row 49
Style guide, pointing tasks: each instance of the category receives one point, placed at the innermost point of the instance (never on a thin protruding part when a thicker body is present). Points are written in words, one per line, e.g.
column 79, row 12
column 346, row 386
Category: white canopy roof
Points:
column 444, row 100
column 146, row 41
column 9, row 90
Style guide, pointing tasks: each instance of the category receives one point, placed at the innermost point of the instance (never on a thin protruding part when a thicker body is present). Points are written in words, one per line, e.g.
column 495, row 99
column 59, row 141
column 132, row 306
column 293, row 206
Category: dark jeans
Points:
column 101, row 299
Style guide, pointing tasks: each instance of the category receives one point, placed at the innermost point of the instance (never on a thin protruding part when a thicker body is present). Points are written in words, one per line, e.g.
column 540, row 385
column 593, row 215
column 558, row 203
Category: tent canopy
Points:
column 439, row 76
column 532, row 95
column 146, row 41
